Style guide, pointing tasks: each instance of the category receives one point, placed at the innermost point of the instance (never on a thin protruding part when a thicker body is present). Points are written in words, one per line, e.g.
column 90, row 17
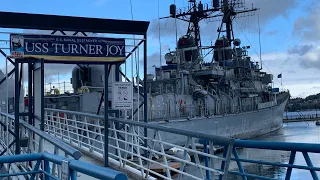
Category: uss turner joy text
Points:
column 66, row 48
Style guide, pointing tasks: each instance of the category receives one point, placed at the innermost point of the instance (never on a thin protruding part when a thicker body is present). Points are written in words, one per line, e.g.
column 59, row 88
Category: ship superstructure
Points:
column 231, row 83
column 230, row 95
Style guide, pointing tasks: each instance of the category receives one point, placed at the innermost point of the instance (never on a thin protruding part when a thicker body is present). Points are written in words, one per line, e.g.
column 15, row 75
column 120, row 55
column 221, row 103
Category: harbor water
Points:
column 301, row 132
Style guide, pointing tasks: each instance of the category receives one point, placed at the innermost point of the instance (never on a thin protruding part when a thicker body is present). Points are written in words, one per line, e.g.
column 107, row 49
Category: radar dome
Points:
column 237, row 42
column 169, row 57
column 186, row 41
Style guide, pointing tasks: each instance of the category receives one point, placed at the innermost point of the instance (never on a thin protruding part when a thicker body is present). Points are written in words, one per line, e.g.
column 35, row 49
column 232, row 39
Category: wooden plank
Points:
column 161, row 169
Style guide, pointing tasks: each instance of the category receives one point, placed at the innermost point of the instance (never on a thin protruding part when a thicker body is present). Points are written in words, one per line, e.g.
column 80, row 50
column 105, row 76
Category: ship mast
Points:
column 227, row 12
column 193, row 15
column 230, row 9
column 197, row 12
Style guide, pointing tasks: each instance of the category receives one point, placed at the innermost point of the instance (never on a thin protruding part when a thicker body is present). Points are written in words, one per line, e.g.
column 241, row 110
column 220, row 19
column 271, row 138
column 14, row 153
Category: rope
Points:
column 134, row 40
column 131, row 11
column 259, row 39
column 175, row 24
column 175, row 21
column 134, row 43
column 159, row 35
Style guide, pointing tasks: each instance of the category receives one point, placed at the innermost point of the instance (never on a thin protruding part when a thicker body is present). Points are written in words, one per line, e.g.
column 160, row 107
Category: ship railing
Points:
column 282, row 96
column 32, row 140
column 63, row 87
column 164, row 153
column 70, row 167
column 302, row 116
column 284, row 152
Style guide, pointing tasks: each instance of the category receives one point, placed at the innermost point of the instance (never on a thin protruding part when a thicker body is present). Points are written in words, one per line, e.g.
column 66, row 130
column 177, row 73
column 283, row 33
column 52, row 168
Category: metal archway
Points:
column 61, row 24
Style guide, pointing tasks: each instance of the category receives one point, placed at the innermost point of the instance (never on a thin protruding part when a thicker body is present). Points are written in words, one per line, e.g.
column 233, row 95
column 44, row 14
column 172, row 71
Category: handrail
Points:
column 129, row 141
column 284, row 146
column 217, row 140
column 293, row 148
column 95, row 171
column 74, row 165
column 287, row 146
column 9, row 116
column 20, row 158
column 76, row 154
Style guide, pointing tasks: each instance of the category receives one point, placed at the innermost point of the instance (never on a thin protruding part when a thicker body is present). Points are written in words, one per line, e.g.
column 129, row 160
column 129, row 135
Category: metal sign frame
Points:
column 122, row 95
column 76, row 25
column 67, row 49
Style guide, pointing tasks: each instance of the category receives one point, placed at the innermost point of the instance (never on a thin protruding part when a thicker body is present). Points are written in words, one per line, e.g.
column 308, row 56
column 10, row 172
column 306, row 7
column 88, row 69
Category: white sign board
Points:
column 122, row 95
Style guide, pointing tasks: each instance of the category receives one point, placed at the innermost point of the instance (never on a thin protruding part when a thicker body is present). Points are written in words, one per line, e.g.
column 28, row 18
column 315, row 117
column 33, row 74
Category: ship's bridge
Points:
column 168, row 71
column 209, row 71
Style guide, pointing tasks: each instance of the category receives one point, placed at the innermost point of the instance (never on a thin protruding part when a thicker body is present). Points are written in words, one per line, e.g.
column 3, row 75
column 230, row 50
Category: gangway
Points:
column 127, row 154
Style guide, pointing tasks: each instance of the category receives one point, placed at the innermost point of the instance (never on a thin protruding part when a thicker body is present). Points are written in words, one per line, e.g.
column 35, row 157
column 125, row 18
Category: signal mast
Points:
column 196, row 12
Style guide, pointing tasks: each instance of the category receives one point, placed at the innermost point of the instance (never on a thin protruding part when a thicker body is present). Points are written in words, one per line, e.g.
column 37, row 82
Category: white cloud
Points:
column 50, row 70
column 298, row 65
column 298, row 90
column 309, row 58
column 308, row 27
column 268, row 11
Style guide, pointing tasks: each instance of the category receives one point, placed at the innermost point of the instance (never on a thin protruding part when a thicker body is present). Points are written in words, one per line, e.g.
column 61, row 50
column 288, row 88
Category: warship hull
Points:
column 242, row 125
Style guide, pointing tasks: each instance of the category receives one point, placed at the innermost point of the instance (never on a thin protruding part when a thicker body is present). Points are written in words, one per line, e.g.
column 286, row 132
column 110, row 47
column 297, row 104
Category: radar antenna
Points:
column 230, row 9
column 195, row 12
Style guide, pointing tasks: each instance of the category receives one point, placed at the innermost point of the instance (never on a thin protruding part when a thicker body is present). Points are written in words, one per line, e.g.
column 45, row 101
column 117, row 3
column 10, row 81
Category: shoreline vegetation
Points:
column 302, row 104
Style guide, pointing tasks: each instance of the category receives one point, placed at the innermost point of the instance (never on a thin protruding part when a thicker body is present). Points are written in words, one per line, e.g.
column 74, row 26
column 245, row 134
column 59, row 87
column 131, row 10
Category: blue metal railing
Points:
column 57, row 143
column 44, row 159
column 293, row 148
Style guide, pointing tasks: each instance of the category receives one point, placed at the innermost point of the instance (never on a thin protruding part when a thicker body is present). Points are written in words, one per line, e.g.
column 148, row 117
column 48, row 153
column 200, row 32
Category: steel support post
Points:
column 16, row 108
column 117, row 73
column 42, row 95
column 30, row 97
column 33, row 95
column 106, row 115
column 145, row 97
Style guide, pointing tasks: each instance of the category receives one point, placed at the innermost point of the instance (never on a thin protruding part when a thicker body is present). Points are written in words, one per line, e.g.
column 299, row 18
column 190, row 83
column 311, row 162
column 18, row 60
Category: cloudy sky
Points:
column 290, row 33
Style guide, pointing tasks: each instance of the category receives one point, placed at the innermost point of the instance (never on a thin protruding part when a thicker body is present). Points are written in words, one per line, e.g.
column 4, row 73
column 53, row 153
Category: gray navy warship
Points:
column 229, row 96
